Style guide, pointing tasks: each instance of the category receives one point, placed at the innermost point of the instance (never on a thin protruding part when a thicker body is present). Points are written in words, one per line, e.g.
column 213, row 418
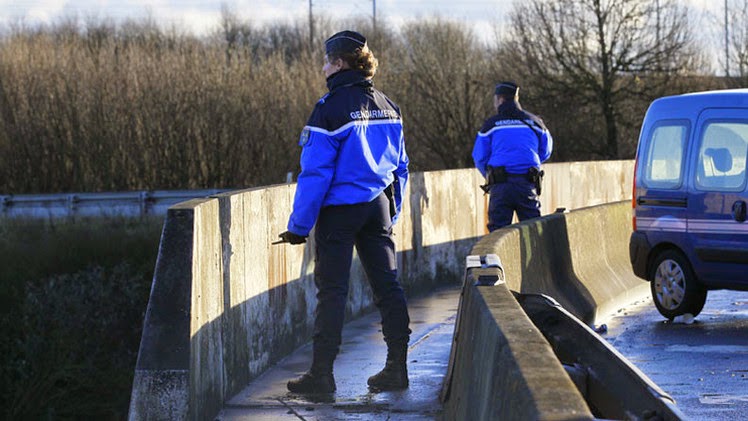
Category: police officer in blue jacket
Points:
column 508, row 151
column 353, row 174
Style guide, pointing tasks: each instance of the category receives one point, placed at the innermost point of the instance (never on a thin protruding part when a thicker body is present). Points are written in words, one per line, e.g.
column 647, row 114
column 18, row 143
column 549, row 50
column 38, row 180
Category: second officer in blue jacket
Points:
column 353, row 174
column 508, row 151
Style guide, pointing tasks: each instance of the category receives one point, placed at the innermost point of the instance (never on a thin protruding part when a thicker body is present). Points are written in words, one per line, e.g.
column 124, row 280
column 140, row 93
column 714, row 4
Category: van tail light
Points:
column 633, row 196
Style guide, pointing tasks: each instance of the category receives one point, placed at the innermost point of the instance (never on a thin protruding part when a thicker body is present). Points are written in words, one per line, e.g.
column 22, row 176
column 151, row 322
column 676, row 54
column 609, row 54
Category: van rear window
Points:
column 663, row 167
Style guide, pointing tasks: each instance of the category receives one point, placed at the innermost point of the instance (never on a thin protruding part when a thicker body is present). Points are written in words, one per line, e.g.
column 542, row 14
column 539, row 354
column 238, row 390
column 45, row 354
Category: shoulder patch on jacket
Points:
column 304, row 138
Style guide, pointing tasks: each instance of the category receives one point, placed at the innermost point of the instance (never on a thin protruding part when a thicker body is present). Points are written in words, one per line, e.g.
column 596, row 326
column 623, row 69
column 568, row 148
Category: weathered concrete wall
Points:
column 502, row 368
column 251, row 303
column 574, row 185
column 162, row 375
column 580, row 259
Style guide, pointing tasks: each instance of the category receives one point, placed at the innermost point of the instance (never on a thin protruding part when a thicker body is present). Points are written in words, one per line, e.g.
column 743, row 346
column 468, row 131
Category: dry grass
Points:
column 130, row 107
column 113, row 111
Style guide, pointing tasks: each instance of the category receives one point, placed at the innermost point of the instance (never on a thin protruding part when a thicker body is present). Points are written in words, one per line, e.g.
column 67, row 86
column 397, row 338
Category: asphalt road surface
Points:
column 702, row 365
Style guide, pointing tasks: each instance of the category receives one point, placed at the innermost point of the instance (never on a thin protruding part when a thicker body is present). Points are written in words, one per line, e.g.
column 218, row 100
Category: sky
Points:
column 201, row 16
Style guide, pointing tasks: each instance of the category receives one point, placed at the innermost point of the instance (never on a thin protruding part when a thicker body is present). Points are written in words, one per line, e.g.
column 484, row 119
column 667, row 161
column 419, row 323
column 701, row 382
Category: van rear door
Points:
column 717, row 198
column 661, row 191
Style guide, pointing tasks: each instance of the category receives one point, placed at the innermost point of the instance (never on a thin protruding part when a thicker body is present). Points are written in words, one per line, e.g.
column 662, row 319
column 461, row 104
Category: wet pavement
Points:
column 362, row 354
column 703, row 365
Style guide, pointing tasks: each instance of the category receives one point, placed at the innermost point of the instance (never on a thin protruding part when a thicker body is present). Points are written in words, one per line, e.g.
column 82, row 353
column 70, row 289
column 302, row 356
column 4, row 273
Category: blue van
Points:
column 690, row 231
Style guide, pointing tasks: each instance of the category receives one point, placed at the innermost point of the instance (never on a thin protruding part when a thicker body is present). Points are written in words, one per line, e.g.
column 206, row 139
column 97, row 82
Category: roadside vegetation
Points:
column 98, row 106
column 73, row 295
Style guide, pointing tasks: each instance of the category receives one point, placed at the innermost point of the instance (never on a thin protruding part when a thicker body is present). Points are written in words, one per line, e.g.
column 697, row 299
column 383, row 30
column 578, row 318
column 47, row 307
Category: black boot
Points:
column 311, row 382
column 394, row 375
column 318, row 379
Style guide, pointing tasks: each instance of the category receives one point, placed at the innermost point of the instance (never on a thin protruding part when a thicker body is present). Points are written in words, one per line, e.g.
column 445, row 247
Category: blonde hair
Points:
column 362, row 59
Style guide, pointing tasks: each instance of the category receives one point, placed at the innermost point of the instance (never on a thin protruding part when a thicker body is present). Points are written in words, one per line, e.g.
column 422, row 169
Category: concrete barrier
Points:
column 225, row 305
column 580, row 259
column 611, row 385
column 501, row 366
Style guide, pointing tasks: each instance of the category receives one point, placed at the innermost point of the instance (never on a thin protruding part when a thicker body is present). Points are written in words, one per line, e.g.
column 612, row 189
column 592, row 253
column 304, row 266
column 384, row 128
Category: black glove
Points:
column 289, row 237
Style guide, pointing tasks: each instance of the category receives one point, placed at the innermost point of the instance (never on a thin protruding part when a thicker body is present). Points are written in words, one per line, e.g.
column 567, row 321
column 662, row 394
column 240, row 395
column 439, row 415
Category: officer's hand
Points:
column 289, row 237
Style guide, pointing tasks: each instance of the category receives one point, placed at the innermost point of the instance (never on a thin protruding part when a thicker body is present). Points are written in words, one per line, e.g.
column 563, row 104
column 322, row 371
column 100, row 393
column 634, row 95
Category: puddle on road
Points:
column 718, row 399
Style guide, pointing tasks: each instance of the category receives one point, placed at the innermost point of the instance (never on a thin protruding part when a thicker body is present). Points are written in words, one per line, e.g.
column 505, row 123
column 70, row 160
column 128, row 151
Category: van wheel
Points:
column 675, row 290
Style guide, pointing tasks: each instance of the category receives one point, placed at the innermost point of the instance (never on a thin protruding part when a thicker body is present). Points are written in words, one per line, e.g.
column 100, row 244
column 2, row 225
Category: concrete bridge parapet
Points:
column 225, row 304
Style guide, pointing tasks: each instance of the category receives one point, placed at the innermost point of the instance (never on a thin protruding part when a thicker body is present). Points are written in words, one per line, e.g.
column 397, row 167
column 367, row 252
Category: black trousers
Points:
column 368, row 227
column 516, row 194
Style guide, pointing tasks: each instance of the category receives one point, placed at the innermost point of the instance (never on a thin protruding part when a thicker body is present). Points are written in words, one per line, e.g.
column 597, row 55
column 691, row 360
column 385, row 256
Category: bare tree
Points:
column 445, row 89
column 737, row 39
column 601, row 53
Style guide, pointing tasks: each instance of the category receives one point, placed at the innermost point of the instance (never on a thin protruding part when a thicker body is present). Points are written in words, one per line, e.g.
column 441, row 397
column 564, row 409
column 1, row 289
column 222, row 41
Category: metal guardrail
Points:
column 127, row 204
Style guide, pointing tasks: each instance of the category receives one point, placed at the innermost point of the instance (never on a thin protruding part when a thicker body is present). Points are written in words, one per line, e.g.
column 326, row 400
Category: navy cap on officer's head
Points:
column 508, row 89
column 344, row 42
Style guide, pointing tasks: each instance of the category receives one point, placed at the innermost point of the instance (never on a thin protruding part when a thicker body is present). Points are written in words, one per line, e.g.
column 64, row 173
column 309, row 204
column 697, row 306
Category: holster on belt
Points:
column 494, row 175
column 389, row 191
column 535, row 175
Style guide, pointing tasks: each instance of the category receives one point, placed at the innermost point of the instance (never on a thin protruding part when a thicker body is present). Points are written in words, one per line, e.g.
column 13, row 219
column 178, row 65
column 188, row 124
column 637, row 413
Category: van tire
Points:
column 675, row 290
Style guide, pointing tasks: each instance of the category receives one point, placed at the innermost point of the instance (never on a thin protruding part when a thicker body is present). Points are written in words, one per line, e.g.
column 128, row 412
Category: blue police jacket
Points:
column 352, row 149
column 514, row 139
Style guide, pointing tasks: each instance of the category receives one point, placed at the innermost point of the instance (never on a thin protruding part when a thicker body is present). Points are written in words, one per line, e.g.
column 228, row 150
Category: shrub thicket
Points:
column 122, row 110
column 73, row 295
column 108, row 107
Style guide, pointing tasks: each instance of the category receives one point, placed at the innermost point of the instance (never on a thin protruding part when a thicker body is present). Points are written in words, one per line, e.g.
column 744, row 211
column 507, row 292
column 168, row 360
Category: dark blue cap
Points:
column 509, row 89
column 344, row 42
